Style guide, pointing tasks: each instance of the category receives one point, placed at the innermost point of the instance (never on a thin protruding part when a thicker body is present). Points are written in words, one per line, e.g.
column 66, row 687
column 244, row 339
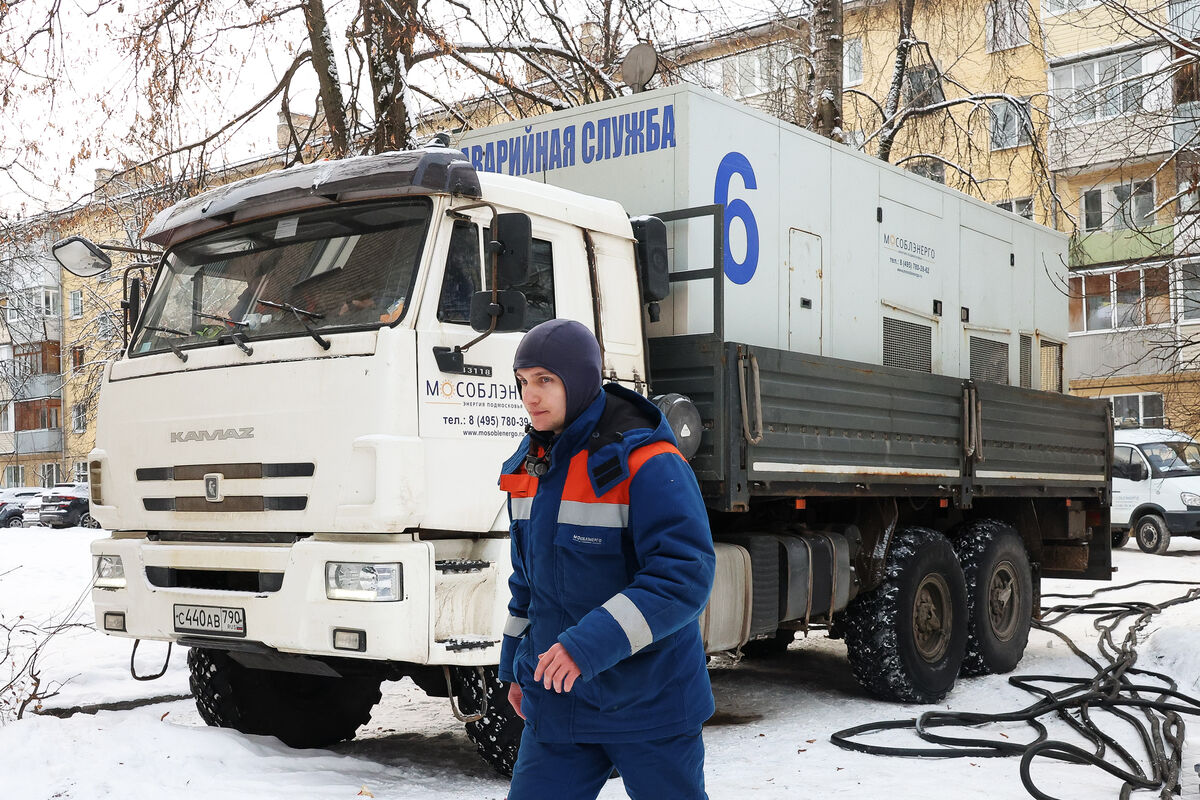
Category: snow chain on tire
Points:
column 999, row 596
column 300, row 710
column 892, row 654
column 497, row 734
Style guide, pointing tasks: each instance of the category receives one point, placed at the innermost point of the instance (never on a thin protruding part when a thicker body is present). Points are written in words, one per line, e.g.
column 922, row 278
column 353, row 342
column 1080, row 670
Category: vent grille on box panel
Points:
column 907, row 345
column 1026, row 361
column 1052, row 367
column 989, row 360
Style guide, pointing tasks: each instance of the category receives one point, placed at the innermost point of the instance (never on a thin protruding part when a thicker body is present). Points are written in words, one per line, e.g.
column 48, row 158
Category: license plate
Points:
column 210, row 619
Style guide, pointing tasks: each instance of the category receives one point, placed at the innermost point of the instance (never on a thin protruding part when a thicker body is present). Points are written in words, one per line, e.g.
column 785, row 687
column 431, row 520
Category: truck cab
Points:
column 1155, row 487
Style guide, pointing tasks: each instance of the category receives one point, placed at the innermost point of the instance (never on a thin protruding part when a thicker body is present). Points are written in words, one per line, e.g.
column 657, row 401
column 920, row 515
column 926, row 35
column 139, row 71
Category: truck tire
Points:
column 299, row 710
column 906, row 638
column 1120, row 538
column 1152, row 534
column 999, row 596
column 497, row 736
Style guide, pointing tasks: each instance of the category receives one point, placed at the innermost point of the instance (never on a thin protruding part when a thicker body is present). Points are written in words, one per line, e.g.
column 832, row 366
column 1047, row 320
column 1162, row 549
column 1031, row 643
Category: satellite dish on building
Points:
column 639, row 66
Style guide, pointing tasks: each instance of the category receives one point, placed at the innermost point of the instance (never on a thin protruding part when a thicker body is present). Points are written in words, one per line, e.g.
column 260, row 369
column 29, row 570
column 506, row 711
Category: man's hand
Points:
column 514, row 698
column 557, row 669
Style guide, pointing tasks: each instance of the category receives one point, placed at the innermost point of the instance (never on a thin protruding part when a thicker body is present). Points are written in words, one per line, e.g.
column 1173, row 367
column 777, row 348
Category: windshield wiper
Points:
column 321, row 340
column 220, row 318
column 239, row 339
column 174, row 347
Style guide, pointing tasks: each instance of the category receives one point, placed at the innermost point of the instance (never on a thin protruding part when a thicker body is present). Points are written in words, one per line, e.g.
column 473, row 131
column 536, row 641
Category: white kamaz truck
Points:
column 297, row 453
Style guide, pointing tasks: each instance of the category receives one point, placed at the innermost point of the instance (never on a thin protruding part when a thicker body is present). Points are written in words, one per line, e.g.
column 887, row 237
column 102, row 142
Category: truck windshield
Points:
column 1169, row 459
column 320, row 270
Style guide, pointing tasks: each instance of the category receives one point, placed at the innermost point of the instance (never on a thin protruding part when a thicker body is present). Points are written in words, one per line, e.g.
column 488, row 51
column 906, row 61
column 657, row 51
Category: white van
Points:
column 1155, row 487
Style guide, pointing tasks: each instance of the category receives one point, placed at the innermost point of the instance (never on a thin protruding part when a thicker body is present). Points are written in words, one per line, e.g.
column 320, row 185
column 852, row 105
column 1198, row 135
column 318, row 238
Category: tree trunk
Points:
column 389, row 27
column 327, row 77
column 827, row 89
column 892, row 103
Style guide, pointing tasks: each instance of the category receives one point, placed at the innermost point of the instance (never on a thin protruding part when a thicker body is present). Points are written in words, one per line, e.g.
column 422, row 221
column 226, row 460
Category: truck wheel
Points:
column 1152, row 534
column 1120, row 538
column 906, row 639
column 999, row 596
column 299, row 710
column 497, row 736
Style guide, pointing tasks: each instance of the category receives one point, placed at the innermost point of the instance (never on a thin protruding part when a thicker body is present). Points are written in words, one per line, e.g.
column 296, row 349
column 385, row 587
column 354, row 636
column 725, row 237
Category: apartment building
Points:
column 31, row 436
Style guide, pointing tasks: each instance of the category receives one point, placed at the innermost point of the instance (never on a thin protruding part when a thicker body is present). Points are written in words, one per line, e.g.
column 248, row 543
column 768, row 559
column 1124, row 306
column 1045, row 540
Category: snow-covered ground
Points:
column 770, row 738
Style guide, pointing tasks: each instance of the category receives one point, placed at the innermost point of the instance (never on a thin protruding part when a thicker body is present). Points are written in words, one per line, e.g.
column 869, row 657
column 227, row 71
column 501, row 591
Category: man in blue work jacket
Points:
column 612, row 564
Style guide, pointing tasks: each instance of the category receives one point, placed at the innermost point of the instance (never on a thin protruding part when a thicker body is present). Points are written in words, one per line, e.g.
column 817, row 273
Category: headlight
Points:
column 353, row 580
column 1189, row 499
column 110, row 572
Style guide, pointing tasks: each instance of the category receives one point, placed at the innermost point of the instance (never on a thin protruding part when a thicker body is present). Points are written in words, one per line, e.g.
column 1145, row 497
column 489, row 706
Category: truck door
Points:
column 471, row 421
column 804, row 292
column 1128, row 493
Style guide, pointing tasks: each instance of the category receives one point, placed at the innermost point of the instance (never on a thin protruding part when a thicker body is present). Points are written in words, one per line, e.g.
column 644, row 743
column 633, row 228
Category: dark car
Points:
column 66, row 506
column 12, row 505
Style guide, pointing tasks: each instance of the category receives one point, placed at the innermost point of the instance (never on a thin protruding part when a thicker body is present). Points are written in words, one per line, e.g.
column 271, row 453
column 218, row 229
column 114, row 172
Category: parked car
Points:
column 31, row 513
column 66, row 505
column 12, row 505
column 1155, row 487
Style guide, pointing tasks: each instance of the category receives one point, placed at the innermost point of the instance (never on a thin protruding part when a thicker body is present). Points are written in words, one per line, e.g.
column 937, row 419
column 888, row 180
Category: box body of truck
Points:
column 299, row 461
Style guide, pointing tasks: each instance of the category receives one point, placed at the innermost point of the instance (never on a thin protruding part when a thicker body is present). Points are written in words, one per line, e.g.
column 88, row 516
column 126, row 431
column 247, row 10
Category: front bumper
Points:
column 436, row 615
column 1183, row 523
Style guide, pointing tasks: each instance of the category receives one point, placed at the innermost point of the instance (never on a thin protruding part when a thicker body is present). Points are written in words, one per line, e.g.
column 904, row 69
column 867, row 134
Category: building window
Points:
column 81, row 472
column 108, row 327
column 1062, row 6
column 1011, row 125
column 1007, row 24
column 1120, row 207
column 929, row 168
column 1021, row 206
column 50, row 474
column 79, row 418
column 852, row 63
column 1137, row 410
column 78, row 357
column 922, row 86
column 1098, row 89
column 1130, row 298
column 1184, row 18
column 1189, row 291
column 757, row 72
column 76, row 304
column 12, row 308
column 14, row 476
column 49, row 303
column 6, row 418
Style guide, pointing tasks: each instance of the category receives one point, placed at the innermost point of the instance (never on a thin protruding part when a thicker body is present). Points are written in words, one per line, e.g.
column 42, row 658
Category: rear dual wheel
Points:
column 999, row 596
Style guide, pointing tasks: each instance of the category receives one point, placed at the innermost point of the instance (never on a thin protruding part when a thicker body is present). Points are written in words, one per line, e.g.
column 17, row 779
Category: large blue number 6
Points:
column 737, row 164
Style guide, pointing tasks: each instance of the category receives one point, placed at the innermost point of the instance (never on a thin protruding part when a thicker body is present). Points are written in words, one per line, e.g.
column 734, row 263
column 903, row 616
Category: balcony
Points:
column 1105, row 247
column 45, row 440
column 35, row 386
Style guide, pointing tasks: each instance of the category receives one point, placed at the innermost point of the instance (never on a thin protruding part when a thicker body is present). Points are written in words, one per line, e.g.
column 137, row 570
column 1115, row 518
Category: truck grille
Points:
column 217, row 580
column 230, row 504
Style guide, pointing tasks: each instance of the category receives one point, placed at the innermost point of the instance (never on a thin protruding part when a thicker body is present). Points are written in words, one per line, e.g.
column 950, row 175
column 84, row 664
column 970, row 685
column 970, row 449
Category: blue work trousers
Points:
column 662, row 769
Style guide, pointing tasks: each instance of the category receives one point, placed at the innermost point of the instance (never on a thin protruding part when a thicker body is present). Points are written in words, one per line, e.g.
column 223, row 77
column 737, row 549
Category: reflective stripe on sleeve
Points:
column 627, row 615
column 601, row 515
column 521, row 507
column 516, row 627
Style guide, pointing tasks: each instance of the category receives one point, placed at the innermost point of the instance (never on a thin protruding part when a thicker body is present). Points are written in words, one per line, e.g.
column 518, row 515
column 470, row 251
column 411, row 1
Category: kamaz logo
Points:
column 218, row 435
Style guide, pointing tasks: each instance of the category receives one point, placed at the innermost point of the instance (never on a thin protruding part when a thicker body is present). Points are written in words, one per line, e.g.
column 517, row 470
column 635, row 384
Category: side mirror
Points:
column 651, row 250
column 1138, row 471
column 80, row 257
column 509, row 311
column 132, row 304
column 514, row 237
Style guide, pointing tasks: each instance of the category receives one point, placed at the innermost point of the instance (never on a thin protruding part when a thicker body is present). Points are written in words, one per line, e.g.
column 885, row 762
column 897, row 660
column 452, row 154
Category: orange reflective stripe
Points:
column 519, row 484
column 644, row 454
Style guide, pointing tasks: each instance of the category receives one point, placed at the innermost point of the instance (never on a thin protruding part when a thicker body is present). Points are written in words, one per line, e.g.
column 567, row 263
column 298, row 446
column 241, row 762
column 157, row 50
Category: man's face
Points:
column 545, row 398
